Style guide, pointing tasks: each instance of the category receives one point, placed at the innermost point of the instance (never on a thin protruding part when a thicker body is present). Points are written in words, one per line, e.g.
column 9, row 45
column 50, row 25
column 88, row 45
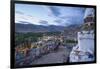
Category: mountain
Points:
column 37, row 28
column 20, row 27
column 76, row 27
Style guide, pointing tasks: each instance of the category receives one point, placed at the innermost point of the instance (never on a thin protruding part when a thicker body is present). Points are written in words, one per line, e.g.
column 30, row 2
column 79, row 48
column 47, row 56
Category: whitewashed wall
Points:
column 86, row 41
column 85, row 45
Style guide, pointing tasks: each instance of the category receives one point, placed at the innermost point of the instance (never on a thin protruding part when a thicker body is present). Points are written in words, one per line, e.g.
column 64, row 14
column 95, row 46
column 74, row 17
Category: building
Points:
column 84, row 50
column 89, row 19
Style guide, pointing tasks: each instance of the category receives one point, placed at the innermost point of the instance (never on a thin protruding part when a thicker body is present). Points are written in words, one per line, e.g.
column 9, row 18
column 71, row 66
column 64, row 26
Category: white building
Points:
column 84, row 51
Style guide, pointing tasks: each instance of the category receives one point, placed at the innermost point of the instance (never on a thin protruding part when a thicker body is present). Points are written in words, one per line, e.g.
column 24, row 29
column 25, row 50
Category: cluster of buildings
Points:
column 26, row 53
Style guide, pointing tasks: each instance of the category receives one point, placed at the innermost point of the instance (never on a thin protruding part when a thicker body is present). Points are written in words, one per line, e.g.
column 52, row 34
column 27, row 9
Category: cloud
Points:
column 19, row 12
column 43, row 22
column 29, row 19
column 24, row 22
column 53, row 15
column 68, row 20
column 53, row 10
column 73, row 16
column 58, row 21
column 25, row 18
column 67, row 15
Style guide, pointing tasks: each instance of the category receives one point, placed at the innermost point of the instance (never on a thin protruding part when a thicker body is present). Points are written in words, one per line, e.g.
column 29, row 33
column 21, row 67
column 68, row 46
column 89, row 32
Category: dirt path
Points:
column 53, row 57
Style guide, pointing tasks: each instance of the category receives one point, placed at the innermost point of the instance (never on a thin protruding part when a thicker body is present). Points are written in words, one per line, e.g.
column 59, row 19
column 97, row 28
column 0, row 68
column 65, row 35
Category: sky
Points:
column 49, row 15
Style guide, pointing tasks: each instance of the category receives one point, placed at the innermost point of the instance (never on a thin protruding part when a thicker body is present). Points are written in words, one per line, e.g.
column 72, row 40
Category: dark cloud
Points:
column 69, row 20
column 58, row 21
column 43, row 22
column 74, row 20
column 19, row 12
column 76, row 16
column 73, row 15
column 25, row 22
column 55, row 10
column 80, row 9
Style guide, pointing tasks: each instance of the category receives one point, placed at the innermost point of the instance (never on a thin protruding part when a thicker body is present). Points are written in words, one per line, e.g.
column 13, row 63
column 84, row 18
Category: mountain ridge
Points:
column 19, row 27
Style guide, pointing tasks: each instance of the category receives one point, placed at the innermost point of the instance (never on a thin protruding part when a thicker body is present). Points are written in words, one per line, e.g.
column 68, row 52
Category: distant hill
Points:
column 36, row 28
column 40, row 28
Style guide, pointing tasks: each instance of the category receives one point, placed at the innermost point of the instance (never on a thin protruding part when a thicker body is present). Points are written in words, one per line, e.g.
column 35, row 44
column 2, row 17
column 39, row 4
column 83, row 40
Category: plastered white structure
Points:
column 84, row 50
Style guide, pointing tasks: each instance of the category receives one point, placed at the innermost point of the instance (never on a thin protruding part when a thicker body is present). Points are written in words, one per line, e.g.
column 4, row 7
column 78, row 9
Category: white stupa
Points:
column 84, row 51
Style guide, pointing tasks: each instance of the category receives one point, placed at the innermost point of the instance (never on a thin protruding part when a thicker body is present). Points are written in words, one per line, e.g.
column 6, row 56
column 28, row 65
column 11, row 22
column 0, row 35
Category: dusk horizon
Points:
column 50, row 15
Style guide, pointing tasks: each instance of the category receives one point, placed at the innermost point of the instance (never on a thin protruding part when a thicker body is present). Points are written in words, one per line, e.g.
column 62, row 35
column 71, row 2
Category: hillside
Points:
column 40, row 28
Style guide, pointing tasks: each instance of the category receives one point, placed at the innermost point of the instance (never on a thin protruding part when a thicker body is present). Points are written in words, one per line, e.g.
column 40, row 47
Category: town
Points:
column 53, row 45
